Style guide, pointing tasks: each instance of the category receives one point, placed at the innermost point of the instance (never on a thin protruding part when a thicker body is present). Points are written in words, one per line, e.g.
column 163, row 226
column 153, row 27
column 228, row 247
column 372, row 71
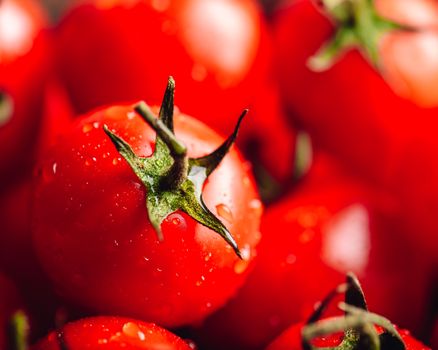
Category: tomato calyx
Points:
column 358, row 25
column 6, row 108
column 358, row 324
column 18, row 330
column 172, row 179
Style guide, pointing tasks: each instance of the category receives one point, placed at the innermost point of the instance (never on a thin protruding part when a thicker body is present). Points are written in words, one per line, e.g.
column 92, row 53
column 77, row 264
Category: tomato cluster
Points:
column 291, row 155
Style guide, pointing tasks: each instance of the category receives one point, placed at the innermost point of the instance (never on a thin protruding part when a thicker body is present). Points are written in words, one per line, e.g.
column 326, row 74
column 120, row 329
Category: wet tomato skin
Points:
column 92, row 233
column 111, row 333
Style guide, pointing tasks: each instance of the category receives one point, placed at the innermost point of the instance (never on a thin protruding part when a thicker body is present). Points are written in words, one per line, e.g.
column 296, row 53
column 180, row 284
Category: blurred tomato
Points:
column 330, row 225
column 218, row 51
column 24, row 64
column 117, row 51
column 349, row 108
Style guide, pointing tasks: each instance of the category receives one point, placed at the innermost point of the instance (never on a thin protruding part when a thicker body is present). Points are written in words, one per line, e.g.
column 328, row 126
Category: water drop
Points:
column 256, row 206
column 115, row 161
column 224, row 212
column 87, row 128
column 95, row 125
column 102, row 341
column 54, row 166
column 131, row 329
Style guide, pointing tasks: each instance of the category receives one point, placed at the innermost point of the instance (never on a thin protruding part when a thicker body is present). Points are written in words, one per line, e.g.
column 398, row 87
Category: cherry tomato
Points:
column 357, row 328
column 349, row 108
column 330, row 225
column 106, row 332
column 24, row 65
column 291, row 339
column 218, row 51
column 94, row 239
column 214, row 49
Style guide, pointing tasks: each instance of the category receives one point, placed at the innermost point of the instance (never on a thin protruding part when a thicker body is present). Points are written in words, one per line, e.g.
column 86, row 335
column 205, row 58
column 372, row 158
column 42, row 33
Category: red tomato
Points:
column 349, row 108
column 9, row 303
column 218, row 51
column 330, row 225
column 214, row 49
column 291, row 339
column 24, row 64
column 93, row 236
column 111, row 333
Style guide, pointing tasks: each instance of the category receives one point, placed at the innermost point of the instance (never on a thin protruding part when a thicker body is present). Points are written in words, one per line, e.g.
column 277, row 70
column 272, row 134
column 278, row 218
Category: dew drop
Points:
column 241, row 265
column 54, row 167
column 95, row 125
column 176, row 221
column 115, row 161
column 102, row 341
column 224, row 212
column 87, row 128
column 131, row 329
column 256, row 206
column 131, row 115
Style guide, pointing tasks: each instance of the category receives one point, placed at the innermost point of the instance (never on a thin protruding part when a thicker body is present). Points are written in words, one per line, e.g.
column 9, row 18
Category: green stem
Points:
column 178, row 172
column 18, row 331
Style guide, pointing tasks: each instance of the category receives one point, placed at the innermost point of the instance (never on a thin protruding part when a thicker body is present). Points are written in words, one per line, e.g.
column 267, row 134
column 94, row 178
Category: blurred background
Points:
column 341, row 136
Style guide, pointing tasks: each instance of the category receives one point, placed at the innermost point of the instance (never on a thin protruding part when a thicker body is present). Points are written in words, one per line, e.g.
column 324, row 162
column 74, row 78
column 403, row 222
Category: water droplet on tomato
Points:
column 87, row 128
column 241, row 265
column 224, row 212
column 131, row 329
column 115, row 161
column 256, row 206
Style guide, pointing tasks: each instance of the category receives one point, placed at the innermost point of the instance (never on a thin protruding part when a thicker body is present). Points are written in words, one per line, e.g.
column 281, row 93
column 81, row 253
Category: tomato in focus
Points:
column 94, row 239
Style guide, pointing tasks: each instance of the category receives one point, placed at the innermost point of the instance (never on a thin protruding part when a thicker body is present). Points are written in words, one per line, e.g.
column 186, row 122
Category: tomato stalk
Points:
column 358, row 25
column 18, row 330
column 358, row 324
column 173, row 180
column 6, row 108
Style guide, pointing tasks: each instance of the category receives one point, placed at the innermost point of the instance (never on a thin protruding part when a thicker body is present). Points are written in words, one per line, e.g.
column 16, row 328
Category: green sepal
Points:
column 357, row 26
column 358, row 324
column 172, row 179
column 6, row 108
column 18, row 331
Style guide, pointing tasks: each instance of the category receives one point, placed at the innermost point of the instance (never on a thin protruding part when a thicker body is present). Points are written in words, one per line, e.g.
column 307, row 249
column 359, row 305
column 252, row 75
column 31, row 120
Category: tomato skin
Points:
column 25, row 60
column 290, row 339
column 219, row 52
column 106, row 332
column 92, row 233
column 366, row 124
column 218, row 65
column 330, row 225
